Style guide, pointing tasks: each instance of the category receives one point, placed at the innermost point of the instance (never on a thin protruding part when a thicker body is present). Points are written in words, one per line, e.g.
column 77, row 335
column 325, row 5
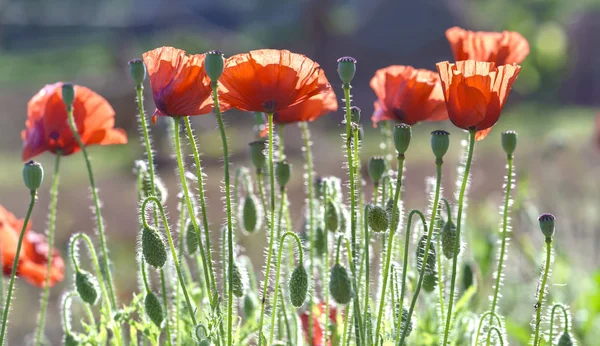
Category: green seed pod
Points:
column 213, row 64
column 509, row 142
column 406, row 323
column 402, row 136
column 191, row 240
column 346, row 69
column 68, row 94
column 154, row 309
column 340, row 285
column 298, row 286
column 547, row 225
column 448, row 237
column 378, row 219
column 320, row 242
column 355, row 114
column 332, row 219
column 87, row 287
column 393, row 214
column 565, row 340
column 153, row 247
column 70, row 340
column 33, row 175
column 283, row 172
column 440, row 141
column 377, row 167
column 429, row 282
column 430, row 267
column 137, row 70
column 250, row 213
column 257, row 154
column 250, row 304
column 238, row 285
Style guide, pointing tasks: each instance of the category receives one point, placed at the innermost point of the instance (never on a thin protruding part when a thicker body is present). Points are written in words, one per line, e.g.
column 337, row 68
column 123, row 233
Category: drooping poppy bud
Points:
column 137, row 70
column 213, row 64
column 153, row 247
column 298, row 285
column 238, row 285
column 191, row 240
column 250, row 304
column 257, row 154
column 440, row 141
column 402, row 136
column 154, row 309
column 346, row 69
column 377, row 167
column 448, row 237
column 509, row 142
column 429, row 282
column 340, row 286
column 283, row 172
column 320, row 242
column 33, row 175
column 547, row 225
column 87, row 287
column 250, row 214
column 332, row 219
column 565, row 340
column 378, row 219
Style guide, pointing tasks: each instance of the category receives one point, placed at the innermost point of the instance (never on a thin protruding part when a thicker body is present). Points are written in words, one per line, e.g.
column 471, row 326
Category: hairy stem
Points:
column 540, row 300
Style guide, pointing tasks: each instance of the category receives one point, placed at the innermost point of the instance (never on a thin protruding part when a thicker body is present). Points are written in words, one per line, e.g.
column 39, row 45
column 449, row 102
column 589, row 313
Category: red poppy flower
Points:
column 180, row 86
column 33, row 259
column 269, row 80
column 475, row 92
column 316, row 323
column 47, row 128
column 311, row 108
column 502, row 48
column 407, row 95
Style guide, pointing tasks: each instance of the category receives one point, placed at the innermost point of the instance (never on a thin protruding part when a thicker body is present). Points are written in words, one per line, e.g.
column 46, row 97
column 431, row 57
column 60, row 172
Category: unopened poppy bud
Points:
column 137, row 69
column 153, row 309
column 565, row 340
column 283, row 172
column 449, row 239
column 191, row 240
column 378, row 219
column 429, row 282
column 406, row 323
column 431, row 258
column 68, row 94
column 346, row 69
column 70, row 340
column 320, row 241
column 377, row 166
column 213, row 64
column 153, row 247
column 33, row 175
column 250, row 304
column 250, row 214
column 393, row 213
column 340, row 286
column 440, row 141
column 547, row 225
column 509, row 142
column 298, row 285
column 257, row 154
column 87, row 287
column 355, row 114
column 238, row 285
column 402, row 136
column 332, row 213
column 205, row 342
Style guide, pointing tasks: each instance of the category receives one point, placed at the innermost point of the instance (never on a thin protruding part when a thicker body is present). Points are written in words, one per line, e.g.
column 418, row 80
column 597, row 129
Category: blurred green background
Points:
column 553, row 107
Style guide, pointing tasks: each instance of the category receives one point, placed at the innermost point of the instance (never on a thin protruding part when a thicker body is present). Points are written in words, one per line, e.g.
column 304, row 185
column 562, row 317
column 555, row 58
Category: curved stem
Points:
column 489, row 336
column 461, row 197
column 542, row 291
column 388, row 258
column 486, row 314
column 504, row 234
column 565, row 317
column 13, row 274
column 200, row 177
column 405, row 264
column 172, row 247
column 51, row 228
column 190, row 208
column 97, row 209
column 436, row 199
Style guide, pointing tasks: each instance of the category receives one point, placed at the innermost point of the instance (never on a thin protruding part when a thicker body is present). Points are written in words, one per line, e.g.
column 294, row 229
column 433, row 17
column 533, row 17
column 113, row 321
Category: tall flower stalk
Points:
column 547, row 227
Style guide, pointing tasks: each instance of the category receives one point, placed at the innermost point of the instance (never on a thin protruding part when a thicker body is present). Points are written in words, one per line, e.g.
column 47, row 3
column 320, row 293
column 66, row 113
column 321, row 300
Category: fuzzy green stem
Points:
column 504, row 244
column 565, row 317
column 461, row 198
column 165, row 221
column 492, row 315
column 405, row 263
column 367, row 261
column 97, row 209
column 540, row 300
column 13, row 274
column 389, row 251
column 326, row 255
column 51, row 228
column 166, row 304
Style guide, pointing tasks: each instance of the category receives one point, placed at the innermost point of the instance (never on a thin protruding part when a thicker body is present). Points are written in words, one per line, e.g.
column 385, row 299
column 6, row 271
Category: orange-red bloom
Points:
column 180, row 85
column 311, row 108
column 33, row 259
column 475, row 92
column 318, row 312
column 269, row 80
column 502, row 48
column 407, row 95
column 47, row 128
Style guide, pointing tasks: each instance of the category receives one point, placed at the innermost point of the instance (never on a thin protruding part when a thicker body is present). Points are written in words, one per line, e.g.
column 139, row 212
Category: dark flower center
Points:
column 269, row 106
